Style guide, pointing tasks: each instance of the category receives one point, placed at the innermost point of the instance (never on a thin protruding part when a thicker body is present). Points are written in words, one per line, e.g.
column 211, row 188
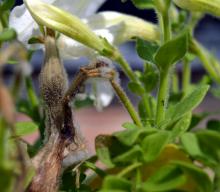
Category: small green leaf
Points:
column 198, row 175
column 113, row 183
column 136, row 88
column 146, row 50
column 150, row 81
column 210, row 143
column 214, row 125
column 130, row 126
column 34, row 40
column 132, row 155
column 187, row 104
column 153, row 144
column 6, row 5
column 25, row 128
column 143, row 4
column 129, row 136
column 182, row 125
column 171, row 52
column 191, row 144
column 166, row 178
column 7, row 34
column 108, row 147
column 216, row 92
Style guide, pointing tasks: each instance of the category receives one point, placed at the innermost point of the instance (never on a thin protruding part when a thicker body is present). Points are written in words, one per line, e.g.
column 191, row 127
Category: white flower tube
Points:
column 206, row 6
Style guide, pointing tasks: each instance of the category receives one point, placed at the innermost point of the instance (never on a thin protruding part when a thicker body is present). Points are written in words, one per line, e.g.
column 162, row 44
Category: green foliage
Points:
column 166, row 179
column 146, row 50
column 143, row 4
column 151, row 156
column 186, row 105
column 7, row 34
column 25, row 128
column 171, row 52
column 6, row 5
column 197, row 174
column 153, row 145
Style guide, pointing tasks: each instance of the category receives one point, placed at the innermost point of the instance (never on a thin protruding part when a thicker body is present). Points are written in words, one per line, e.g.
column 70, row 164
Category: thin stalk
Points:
column 126, row 67
column 163, row 91
column 146, row 103
column 162, row 97
column 129, row 169
column 126, row 102
column 30, row 91
column 186, row 76
column 175, row 82
column 204, row 57
column 166, row 27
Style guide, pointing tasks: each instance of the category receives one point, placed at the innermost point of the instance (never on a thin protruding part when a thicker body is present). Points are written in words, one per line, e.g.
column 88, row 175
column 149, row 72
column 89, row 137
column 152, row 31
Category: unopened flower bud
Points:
column 206, row 6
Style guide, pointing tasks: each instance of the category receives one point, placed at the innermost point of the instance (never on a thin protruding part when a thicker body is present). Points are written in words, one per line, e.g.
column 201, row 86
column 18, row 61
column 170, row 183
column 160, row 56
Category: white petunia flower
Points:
column 115, row 27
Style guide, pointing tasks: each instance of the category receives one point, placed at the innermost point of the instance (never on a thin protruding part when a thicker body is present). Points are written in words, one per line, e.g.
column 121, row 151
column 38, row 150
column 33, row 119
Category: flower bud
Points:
column 206, row 6
column 64, row 22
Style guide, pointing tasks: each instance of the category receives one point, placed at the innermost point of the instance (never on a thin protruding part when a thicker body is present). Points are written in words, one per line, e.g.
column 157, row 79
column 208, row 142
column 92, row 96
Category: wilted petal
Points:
column 101, row 91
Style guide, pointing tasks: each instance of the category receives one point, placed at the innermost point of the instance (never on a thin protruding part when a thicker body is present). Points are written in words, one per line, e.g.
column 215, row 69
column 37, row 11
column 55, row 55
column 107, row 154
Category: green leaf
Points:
column 150, row 81
column 104, row 156
column 143, row 4
column 152, row 145
column 216, row 92
column 132, row 155
column 210, row 143
column 6, row 5
column 113, row 182
column 87, row 102
column 130, row 126
column 198, row 175
column 171, row 52
column 130, row 136
column 182, row 125
column 214, row 125
column 136, row 88
column 166, row 178
column 191, row 144
column 25, row 128
column 108, row 147
column 186, row 105
column 7, row 34
column 146, row 50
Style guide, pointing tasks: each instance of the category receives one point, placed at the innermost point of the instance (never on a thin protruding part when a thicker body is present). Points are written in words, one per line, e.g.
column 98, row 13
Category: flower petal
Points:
column 81, row 8
column 21, row 20
column 123, row 27
column 71, row 49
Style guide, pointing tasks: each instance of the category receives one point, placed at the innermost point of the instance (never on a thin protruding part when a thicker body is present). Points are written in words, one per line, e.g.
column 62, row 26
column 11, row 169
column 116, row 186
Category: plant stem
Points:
column 125, row 67
column 162, row 96
column 126, row 102
column 205, row 58
column 146, row 103
column 129, row 169
column 166, row 26
column 175, row 82
column 186, row 76
column 30, row 91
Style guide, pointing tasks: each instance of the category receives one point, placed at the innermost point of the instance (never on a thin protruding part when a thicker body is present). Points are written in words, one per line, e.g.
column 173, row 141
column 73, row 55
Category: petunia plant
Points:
column 161, row 149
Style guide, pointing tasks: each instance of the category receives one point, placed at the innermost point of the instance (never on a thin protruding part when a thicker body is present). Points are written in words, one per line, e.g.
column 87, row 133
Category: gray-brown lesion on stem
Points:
column 61, row 133
column 60, row 129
